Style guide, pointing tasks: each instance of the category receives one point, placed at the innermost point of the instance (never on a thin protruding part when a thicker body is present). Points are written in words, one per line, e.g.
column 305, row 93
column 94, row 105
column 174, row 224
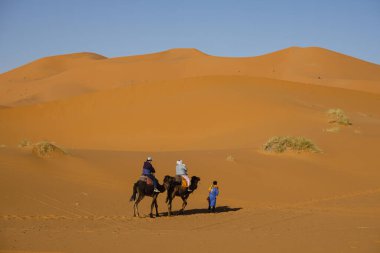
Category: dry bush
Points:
column 47, row 149
column 280, row 144
column 230, row 158
column 332, row 129
column 338, row 116
column 24, row 143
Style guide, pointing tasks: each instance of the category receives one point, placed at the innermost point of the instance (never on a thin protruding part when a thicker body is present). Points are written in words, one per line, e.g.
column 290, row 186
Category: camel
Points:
column 175, row 188
column 142, row 189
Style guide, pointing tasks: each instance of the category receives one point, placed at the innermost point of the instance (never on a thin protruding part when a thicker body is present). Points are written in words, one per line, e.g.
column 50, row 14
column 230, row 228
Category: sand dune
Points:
column 187, row 114
column 215, row 113
column 42, row 80
column 63, row 76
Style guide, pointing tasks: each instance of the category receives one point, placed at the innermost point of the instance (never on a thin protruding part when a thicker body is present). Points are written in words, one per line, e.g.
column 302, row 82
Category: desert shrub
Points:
column 334, row 129
column 24, row 143
column 280, row 144
column 338, row 116
column 230, row 158
column 47, row 149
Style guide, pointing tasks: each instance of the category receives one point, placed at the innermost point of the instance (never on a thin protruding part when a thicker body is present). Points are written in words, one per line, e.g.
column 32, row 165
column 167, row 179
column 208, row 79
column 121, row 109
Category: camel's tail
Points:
column 133, row 197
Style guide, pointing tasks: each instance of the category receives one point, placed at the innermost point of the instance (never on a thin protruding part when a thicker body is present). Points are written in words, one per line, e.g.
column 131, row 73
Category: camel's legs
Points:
column 154, row 199
column 134, row 205
column 156, row 205
column 140, row 197
column 184, row 204
column 170, row 207
column 170, row 202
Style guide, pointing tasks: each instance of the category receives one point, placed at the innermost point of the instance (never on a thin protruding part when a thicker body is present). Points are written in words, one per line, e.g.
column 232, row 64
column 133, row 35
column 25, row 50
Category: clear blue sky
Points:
column 31, row 29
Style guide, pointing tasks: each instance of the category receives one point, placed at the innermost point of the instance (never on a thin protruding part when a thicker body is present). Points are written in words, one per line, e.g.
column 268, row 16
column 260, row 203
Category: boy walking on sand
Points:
column 213, row 193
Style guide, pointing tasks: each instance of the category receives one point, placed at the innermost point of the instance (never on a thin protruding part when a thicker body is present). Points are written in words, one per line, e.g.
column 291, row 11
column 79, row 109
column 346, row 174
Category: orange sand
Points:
column 63, row 76
column 214, row 113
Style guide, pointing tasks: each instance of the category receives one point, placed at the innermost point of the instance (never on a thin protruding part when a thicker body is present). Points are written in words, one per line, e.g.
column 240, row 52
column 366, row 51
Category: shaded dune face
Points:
column 59, row 77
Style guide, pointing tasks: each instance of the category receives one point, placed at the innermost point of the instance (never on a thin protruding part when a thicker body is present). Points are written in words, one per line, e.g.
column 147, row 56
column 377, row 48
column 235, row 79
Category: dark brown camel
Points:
column 174, row 188
column 142, row 189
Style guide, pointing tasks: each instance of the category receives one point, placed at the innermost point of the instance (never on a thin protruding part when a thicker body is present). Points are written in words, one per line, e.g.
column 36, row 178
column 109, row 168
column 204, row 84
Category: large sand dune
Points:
column 215, row 113
column 188, row 114
column 68, row 75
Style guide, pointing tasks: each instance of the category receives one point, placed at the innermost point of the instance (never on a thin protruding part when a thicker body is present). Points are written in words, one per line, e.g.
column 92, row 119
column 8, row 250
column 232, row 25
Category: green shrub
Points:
column 280, row 144
column 338, row 116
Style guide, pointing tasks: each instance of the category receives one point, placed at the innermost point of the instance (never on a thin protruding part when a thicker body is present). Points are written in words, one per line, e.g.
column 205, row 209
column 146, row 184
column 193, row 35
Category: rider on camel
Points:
column 149, row 171
column 181, row 170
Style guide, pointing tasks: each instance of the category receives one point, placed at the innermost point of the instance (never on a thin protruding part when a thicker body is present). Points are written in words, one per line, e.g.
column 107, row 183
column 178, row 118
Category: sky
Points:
column 32, row 29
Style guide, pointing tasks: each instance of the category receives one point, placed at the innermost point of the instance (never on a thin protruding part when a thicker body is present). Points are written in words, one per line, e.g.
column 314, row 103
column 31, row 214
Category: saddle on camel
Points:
column 180, row 180
column 146, row 180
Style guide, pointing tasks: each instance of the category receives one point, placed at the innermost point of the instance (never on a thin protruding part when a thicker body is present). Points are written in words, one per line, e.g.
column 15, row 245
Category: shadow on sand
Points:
column 219, row 209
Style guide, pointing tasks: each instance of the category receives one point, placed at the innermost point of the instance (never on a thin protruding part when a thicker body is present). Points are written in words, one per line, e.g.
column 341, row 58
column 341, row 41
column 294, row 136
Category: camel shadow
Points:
column 219, row 209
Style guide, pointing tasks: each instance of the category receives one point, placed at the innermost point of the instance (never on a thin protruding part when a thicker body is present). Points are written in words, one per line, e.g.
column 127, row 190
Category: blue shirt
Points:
column 148, row 168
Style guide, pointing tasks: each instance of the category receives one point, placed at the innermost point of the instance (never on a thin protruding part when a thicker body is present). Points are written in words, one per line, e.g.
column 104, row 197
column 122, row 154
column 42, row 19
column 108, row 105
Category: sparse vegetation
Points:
column 332, row 129
column 338, row 116
column 280, row 144
column 24, row 143
column 47, row 149
column 230, row 158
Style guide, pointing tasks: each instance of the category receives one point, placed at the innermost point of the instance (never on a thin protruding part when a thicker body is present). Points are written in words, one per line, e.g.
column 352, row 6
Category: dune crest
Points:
column 48, row 66
column 185, row 52
column 59, row 77
column 223, row 117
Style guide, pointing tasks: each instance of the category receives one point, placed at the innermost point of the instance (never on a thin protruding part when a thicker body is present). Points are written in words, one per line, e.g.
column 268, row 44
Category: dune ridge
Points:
column 60, row 77
column 214, row 113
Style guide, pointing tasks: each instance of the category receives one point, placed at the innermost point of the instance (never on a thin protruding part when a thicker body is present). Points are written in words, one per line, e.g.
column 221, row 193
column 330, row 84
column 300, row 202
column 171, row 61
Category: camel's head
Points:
column 194, row 182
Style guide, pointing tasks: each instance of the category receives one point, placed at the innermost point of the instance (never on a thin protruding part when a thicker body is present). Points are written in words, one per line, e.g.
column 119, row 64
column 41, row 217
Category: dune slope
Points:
column 195, row 113
column 63, row 76
column 215, row 114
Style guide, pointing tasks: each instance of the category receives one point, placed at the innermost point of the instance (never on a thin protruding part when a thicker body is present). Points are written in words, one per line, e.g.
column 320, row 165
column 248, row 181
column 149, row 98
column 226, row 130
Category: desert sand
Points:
column 214, row 113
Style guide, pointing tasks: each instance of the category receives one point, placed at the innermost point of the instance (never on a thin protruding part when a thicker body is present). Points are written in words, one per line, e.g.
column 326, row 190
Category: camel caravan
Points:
column 147, row 185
